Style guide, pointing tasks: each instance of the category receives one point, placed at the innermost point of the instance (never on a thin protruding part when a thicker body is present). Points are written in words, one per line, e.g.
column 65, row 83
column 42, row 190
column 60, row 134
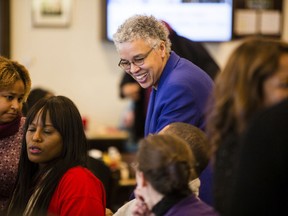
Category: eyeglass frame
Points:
column 142, row 59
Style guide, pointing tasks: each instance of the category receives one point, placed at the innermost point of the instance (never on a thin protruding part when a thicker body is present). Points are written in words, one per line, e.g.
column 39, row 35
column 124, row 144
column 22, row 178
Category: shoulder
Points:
column 269, row 130
column 182, row 71
column 79, row 180
column 126, row 209
column 192, row 206
column 80, row 174
column 15, row 140
column 276, row 115
column 186, row 65
column 277, row 111
column 79, row 192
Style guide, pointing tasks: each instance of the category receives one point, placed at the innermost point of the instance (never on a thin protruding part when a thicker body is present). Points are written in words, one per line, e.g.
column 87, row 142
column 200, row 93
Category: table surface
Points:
column 107, row 133
column 127, row 182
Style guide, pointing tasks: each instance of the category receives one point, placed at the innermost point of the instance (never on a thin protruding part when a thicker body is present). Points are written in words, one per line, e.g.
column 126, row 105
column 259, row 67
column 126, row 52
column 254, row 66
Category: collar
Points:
column 166, row 203
column 170, row 65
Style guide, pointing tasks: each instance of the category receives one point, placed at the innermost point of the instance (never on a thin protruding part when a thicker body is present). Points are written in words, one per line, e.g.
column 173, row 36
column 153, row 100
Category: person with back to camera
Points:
column 15, row 85
column 262, row 169
column 254, row 78
column 52, row 176
column 180, row 88
column 163, row 180
column 198, row 143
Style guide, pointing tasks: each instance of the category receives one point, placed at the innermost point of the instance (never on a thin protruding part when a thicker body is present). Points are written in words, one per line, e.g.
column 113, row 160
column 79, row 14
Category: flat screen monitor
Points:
column 197, row 20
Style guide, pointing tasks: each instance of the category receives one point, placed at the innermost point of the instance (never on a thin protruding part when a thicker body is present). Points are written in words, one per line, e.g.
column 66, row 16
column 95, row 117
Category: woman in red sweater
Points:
column 52, row 177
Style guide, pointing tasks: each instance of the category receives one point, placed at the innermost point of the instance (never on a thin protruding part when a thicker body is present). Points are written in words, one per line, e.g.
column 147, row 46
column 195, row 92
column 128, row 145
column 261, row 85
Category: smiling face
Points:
column 148, row 74
column 11, row 102
column 276, row 87
column 44, row 142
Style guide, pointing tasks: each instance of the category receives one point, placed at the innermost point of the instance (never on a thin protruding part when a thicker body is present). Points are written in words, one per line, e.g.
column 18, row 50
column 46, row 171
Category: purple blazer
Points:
column 181, row 95
column 191, row 206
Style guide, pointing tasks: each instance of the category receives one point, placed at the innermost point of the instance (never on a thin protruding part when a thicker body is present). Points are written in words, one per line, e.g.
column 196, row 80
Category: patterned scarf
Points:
column 10, row 128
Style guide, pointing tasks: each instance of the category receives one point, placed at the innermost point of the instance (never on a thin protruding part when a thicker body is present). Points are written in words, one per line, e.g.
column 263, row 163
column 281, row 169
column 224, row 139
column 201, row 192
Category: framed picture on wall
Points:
column 51, row 13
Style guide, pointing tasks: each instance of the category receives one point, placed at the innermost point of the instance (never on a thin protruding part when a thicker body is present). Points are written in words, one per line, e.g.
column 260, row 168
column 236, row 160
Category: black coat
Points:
column 260, row 185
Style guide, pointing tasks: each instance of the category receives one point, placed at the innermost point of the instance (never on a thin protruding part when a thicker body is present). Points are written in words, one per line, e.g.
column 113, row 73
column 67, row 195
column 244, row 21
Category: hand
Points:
column 108, row 212
column 140, row 208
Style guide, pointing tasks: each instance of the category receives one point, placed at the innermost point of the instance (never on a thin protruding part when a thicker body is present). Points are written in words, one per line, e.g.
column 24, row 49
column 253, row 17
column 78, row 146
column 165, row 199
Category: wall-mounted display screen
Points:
column 198, row 20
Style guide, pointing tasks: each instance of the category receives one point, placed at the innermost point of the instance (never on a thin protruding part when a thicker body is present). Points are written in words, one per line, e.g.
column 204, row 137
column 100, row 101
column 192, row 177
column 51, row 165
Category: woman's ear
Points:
column 141, row 180
column 162, row 49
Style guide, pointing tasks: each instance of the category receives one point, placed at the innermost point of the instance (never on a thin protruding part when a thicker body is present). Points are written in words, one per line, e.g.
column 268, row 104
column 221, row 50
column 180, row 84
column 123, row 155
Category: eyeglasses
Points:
column 126, row 65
